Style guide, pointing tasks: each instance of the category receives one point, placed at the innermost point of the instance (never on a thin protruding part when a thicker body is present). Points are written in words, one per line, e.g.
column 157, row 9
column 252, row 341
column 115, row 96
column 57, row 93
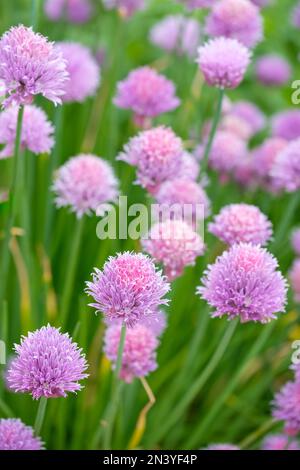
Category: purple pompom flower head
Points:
column 236, row 19
column 174, row 244
column 83, row 70
column 286, row 124
column 37, row 131
column 273, row 70
column 188, row 199
column 279, row 442
column 223, row 62
column 244, row 282
column 286, row 169
column 296, row 241
column 125, row 7
column 287, row 407
column 157, row 154
column 241, row 223
column 175, row 33
column 294, row 277
column 222, row 447
column 83, row 183
column 48, row 364
column 249, row 113
column 128, row 288
column 15, row 435
column 31, row 65
column 146, row 93
column 75, row 11
column 139, row 355
column 264, row 157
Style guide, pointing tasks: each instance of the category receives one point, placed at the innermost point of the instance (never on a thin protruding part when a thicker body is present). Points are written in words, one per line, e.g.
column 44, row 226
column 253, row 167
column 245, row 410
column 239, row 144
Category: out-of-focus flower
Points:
column 37, row 131
column 129, row 288
column 295, row 16
column 195, row 4
column 279, row 442
column 261, row 3
column 264, row 157
column 273, row 69
column 139, row 354
column 223, row 62
column 157, row 154
column 83, row 70
column 175, row 33
column 227, row 150
column 222, row 447
column 15, row 435
column 287, row 124
column 235, row 125
column 286, row 169
column 146, row 93
column 236, row 19
column 48, row 364
column 188, row 199
column 125, row 7
column 83, row 183
column 249, row 113
column 189, row 167
column 294, row 277
column 31, row 65
column 174, row 244
column 244, row 282
column 75, row 11
column 156, row 322
column 241, row 223
column 287, row 407
column 296, row 241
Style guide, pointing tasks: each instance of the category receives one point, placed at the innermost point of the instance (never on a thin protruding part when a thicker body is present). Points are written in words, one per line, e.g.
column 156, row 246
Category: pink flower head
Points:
column 223, row 62
column 273, row 70
column 279, row 442
column 15, row 435
column 236, row 19
column 235, row 125
column 129, row 288
column 125, row 7
column 48, row 364
column 286, row 169
column 156, row 322
column 146, row 93
column 195, row 4
column 295, row 16
column 175, row 33
column 264, row 158
column 249, row 113
column 294, row 277
column 287, row 407
column 238, row 223
column 244, row 282
column 222, row 447
column 287, row 124
column 174, row 244
column 226, row 152
column 37, row 131
column 83, row 70
column 84, row 183
column 157, row 154
column 75, row 11
column 30, row 65
column 189, row 167
column 187, row 198
column 139, row 355
column 296, row 240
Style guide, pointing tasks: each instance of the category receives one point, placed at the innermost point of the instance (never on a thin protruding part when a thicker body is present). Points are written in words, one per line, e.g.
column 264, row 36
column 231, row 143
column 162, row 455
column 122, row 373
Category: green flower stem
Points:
column 194, row 390
column 35, row 13
column 200, row 431
column 204, row 162
column 14, row 198
column 257, row 434
column 70, row 278
column 40, row 415
column 116, row 389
